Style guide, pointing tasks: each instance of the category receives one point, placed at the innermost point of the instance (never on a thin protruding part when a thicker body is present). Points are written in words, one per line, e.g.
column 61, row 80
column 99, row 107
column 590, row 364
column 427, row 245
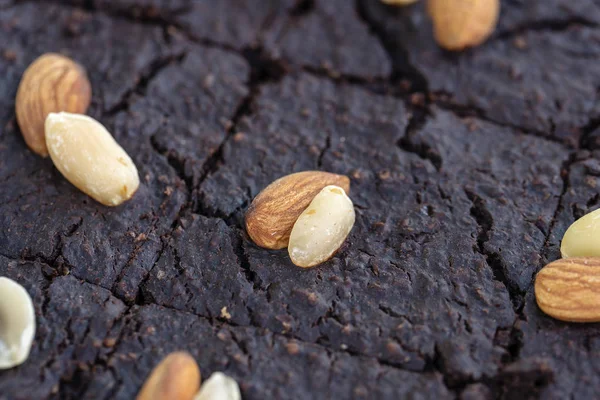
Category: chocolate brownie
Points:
column 466, row 170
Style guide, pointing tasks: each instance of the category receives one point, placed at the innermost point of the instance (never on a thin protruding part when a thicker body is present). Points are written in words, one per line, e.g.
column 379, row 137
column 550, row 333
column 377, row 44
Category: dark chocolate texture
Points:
column 466, row 170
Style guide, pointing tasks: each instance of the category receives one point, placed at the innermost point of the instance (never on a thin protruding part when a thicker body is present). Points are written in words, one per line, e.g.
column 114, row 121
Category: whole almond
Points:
column 53, row 83
column 459, row 24
column 176, row 377
column 569, row 289
column 274, row 211
column 582, row 239
column 90, row 158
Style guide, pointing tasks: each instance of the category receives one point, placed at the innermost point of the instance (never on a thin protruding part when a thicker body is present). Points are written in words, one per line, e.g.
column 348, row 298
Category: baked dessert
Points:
column 466, row 170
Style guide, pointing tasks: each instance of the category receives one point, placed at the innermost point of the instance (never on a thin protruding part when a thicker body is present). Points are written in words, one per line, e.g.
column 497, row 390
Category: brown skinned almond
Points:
column 569, row 289
column 176, row 377
column 53, row 83
column 272, row 214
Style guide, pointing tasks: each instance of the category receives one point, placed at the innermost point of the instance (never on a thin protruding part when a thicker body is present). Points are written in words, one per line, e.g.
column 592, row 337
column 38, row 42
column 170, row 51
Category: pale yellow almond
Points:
column 52, row 83
column 272, row 214
column 322, row 228
column 17, row 323
column 219, row 387
column 582, row 239
column 459, row 24
column 569, row 289
column 177, row 377
column 90, row 158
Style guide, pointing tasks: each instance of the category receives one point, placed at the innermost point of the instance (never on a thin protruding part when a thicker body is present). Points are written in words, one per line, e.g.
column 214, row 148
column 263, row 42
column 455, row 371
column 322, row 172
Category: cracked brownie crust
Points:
column 466, row 170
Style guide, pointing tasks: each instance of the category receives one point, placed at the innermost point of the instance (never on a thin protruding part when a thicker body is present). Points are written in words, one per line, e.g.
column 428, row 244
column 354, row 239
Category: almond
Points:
column 582, row 239
column 90, row 158
column 322, row 228
column 53, row 83
column 459, row 24
column 17, row 323
column 176, row 377
column 274, row 211
column 569, row 289
column 219, row 387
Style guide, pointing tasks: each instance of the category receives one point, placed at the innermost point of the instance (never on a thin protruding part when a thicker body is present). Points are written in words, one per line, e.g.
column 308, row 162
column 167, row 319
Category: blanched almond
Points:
column 90, row 158
column 219, row 387
column 582, row 239
column 17, row 323
column 322, row 227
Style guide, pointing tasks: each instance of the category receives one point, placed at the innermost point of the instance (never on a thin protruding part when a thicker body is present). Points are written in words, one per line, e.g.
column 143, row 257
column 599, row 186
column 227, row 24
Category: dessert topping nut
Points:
column 322, row 228
column 569, row 289
column 459, row 24
column 17, row 323
column 582, row 239
column 274, row 211
column 90, row 158
column 219, row 387
column 176, row 377
column 53, row 83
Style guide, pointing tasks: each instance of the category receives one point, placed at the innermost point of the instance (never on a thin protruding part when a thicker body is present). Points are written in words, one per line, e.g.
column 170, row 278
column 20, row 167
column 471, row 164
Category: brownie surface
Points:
column 466, row 169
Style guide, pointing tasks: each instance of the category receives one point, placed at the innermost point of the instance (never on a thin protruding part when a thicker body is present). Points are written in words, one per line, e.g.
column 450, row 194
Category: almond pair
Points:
column 569, row 289
column 52, row 95
column 307, row 212
column 177, row 377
